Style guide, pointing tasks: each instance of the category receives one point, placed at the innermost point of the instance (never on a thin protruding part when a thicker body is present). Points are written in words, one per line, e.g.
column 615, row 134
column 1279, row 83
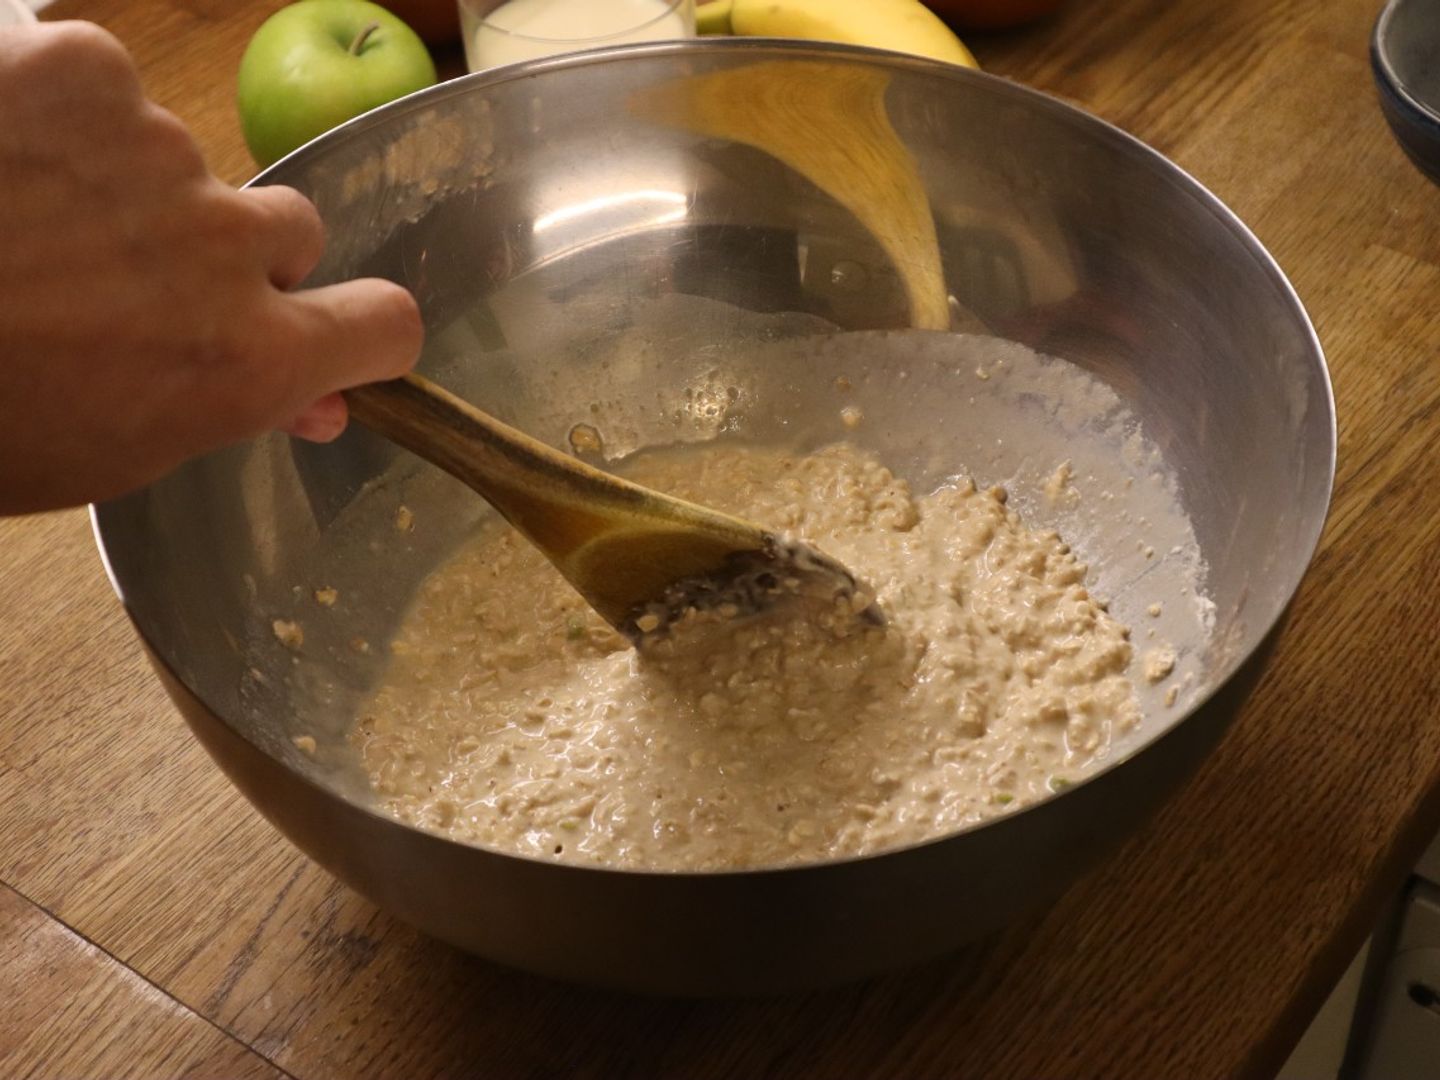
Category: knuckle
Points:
column 83, row 50
column 406, row 327
column 291, row 209
column 292, row 223
column 169, row 141
column 224, row 227
column 224, row 249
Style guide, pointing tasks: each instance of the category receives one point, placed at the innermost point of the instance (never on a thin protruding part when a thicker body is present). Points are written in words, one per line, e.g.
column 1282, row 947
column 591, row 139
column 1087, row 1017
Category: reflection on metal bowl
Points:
column 580, row 253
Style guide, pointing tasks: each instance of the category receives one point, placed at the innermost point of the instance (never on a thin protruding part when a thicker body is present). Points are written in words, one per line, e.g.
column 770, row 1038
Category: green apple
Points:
column 317, row 63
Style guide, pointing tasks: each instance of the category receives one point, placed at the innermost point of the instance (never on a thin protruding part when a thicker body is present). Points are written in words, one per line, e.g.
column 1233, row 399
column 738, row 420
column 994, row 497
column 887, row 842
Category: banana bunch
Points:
column 902, row 25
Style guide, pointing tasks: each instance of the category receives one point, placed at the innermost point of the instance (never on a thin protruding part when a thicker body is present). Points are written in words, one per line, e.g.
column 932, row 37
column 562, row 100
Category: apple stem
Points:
column 362, row 37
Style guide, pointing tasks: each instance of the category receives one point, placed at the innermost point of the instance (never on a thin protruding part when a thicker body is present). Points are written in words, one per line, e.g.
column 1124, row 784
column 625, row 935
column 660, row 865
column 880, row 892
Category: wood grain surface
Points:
column 207, row 946
column 78, row 1012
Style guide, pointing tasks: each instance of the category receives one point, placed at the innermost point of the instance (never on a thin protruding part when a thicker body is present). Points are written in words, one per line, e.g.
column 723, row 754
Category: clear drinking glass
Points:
column 505, row 31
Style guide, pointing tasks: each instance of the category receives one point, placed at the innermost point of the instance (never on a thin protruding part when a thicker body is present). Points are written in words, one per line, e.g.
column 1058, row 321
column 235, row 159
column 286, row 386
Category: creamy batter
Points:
column 512, row 716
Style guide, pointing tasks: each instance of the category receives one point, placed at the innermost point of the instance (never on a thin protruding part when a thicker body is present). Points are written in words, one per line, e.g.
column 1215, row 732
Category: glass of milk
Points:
column 505, row 31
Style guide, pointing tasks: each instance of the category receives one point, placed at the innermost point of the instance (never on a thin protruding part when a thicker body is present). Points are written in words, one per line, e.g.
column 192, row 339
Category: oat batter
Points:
column 514, row 717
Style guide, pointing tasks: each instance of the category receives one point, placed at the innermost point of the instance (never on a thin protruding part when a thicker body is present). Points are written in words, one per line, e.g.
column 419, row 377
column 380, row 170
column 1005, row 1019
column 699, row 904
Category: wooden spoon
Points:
column 638, row 557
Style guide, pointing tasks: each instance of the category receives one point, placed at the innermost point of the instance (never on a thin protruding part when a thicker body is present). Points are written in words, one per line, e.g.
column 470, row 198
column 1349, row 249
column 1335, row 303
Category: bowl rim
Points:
column 1389, row 78
column 789, row 48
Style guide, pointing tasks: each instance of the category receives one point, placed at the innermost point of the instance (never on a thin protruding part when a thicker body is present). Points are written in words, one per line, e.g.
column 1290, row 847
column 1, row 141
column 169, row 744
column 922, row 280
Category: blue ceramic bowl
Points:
column 1405, row 54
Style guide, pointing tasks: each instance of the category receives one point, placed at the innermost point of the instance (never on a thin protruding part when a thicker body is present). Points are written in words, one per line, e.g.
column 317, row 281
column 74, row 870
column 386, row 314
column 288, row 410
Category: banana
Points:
column 903, row 25
column 713, row 17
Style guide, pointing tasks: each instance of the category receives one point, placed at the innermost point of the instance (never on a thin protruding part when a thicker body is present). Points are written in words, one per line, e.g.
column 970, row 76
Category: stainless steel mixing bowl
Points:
column 576, row 260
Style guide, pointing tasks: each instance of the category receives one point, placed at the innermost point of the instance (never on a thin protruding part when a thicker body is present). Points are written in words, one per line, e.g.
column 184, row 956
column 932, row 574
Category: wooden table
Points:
column 152, row 924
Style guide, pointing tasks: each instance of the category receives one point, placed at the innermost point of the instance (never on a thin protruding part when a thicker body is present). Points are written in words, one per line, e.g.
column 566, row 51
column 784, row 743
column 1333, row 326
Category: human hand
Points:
column 145, row 315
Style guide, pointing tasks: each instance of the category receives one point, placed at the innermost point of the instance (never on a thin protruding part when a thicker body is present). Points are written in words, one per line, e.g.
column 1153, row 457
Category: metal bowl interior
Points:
column 575, row 259
column 1405, row 56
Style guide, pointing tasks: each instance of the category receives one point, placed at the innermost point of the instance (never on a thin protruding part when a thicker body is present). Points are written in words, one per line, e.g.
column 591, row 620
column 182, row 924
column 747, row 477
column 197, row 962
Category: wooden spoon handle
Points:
column 559, row 502
column 625, row 548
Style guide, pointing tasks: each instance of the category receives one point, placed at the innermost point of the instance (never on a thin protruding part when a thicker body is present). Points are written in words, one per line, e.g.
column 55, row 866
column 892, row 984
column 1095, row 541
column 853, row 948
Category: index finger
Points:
column 352, row 333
